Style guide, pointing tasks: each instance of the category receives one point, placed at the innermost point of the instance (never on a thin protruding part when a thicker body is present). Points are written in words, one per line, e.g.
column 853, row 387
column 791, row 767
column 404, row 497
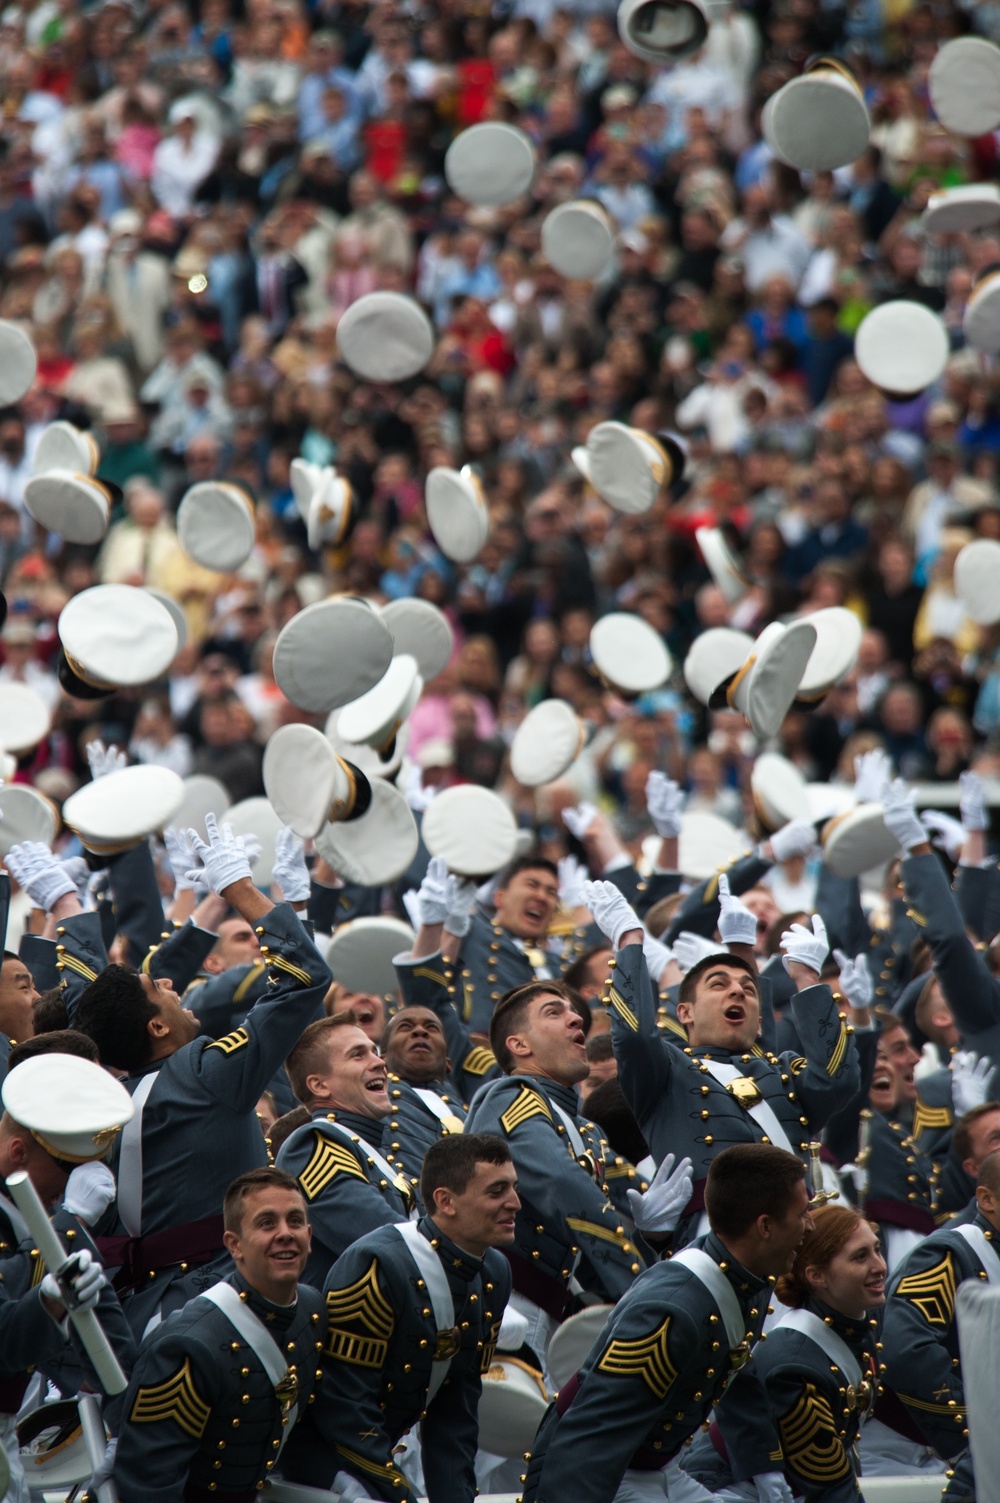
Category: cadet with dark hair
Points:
column 423, row 1108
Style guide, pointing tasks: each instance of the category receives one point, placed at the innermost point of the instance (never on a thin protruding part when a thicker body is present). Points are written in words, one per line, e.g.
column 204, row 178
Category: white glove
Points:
column 89, row 1191
column 659, row 1208
column 797, row 838
column 417, row 796
column 972, row 802
column 79, row 1284
column 690, row 948
column 855, row 979
column 737, row 925
column 772, row 1488
column 79, row 873
column 434, row 892
column 872, row 770
column 971, row 1081
column 43, row 878
column 252, row 848
column 411, row 902
column 103, row 1472
column 578, row 820
column 611, row 913
column 899, row 813
column 658, row 956
column 573, row 877
column 180, row 854
column 104, row 759
column 857, row 1176
column 289, row 868
column 347, row 1489
column 944, row 832
column 807, row 947
column 664, row 802
column 224, row 858
column 461, row 906
column 514, row 1329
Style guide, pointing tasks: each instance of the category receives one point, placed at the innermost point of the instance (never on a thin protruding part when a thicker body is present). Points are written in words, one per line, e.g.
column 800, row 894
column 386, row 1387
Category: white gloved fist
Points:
column 737, row 925
column 579, row 819
column 658, row 956
column 188, row 877
column 434, row 892
column 573, row 877
column 855, row 979
column 943, row 831
column 289, row 869
column 899, row 812
column 104, row 759
column 872, row 770
column 43, row 878
column 773, row 1488
column 664, row 802
column 691, row 948
column 224, row 858
column 79, row 873
column 611, row 913
column 971, row 1081
column 462, row 897
column 103, row 1472
column 89, row 1191
column 797, row 838
column 658, row 1209
column 972, row 802
column 79, row 1284
column 808, row 947
column 411, row 902
column 417, row 796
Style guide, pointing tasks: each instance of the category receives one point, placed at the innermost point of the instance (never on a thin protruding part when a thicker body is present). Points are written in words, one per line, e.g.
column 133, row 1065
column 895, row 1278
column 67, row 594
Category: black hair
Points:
column 246, row 1184
column 115, row 1012
column 49, row 1015
column 689, row 984
column 527, row 864
column 600, row 1047
column 54, row 1041
column 750, row 1180
column 576, row 974
column 509, row 1013
column 606, row 1105
column 282, row 1129
column 450, row 1163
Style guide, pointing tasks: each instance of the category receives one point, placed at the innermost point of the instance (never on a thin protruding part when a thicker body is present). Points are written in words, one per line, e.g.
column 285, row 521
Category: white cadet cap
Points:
column 511, row 1405
column 385, row 336
column 360, row 954
column 305, row 479
column 818, row 121
column 202, row 795
column 254, row 816
column 25, row 718
column 981, row 319
column 707, row 843
column 581, row 459
column 375, row 718
column 122, row 808
column 628, row 654
column 365, row 758
column 578, row 239
column 63, row 446
column 977, row 580
column 456, row 512
column 661, row 31
column 114, row 636
column 765, row 688
column 964, row 85
column 968, row 207
column 857, row 841
column 379, row 845
column 472, row 828
column 901, row 347
column 424, row 631
column 72, row 1107
column 628, row 468
column 491, row 164
column 572, row 1342
column 331, row 653
column 722, row 563
column 333, row 511
column 18, row 363
column 838, row 642
column 53, row 1449
column 74, row 506
column 778, row 790
column 827, row 800
column 27, row 815
column 176, row 614
column 546, row 743
column 308, row 784
column 215, row 525
column 715, row 655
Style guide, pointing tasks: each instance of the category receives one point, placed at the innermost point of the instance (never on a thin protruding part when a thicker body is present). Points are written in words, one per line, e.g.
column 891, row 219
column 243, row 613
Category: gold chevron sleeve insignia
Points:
column 839, row 1050
column 930, row 1118
column 231, row 1042
column 382, row 1469
column 429, row 975
column 618, row 1004
column 525, row 1105
column 252, row 975
column 281, row 964
column 177, row 1399
column 647, row 1358
column 810, row 1441
column 932, row 1292
column 328, row 1159
column 798, row 1064
column 479, row 1060
column 360, row 1321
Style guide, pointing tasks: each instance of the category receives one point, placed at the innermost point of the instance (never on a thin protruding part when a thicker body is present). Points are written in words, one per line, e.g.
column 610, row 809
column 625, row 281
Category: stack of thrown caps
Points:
column 332, row 653
column 114, row 637
column 964, row 86
column 722, row 563
column 117, row 811
column 629, row 655
column 63, row 494
column 376, row 717
column 456, row 512
column 385, row 336
column 18, row 363
column 981, row 319
column 902, row 348
column 759, row 679
column 977, row 580
column 778, row 790
column 818, row 121
column 421, row 629
column 376, row 847
column 627, row 467
column 26, row 815
column 838, row 642
column 490, row 164
column 578, row 239
column 547, row 743
column 216, row 525
column 662, row 31
column 326, row 503
column 308, row 785
column 472, row 829
column 360, row 954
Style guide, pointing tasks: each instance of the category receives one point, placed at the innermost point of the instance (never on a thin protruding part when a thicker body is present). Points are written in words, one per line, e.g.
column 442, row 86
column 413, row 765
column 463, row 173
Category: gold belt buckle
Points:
column 740, row 1355
column 452, row 1124
column 746, row 1091
column 287, row 1390
column 447, row 1344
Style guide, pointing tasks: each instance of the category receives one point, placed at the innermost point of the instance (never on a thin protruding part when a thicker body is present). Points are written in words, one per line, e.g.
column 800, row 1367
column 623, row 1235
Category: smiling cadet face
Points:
column 271, row 1245
column 353, row 1075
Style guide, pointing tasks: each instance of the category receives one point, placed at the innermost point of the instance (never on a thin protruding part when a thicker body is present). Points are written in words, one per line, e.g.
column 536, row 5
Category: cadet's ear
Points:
column 685, row 1014
column 157, row 1026
column 232, row 1242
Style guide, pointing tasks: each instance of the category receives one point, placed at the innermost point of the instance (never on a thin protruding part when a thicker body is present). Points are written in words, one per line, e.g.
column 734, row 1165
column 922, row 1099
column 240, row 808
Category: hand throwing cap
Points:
column 72, row 1107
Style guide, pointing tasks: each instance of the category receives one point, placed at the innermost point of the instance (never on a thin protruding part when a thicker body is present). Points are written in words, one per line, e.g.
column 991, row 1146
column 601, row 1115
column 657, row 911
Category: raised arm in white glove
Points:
column 44, row 879
column 872, row 770
column 579, row 819
column 899, row 812
column 224, row 858
column 805, row 947
column 79, row 1284
column 611, row 913
column 104, row 759
column 664, row 802
column 89, row 1191
column 462, row 898
column 658, row 1209
column 573, row 878
column 737, row 925
column 855, row 980
column 434, row 893
column 689, row 948
column 289, row 869
column 188, row 876
column 417, row 796
column 658, row 956
column 943, row 831
column 797, row 838
column 971, row 1081
column 972, row 802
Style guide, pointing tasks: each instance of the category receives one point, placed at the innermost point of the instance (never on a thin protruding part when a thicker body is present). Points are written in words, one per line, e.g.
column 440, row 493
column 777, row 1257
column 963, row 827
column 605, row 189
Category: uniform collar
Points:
column 719, row 1052
column 988, row 1228
column 858, row 1334
column 457, row 1263
column 369, row 1128
column 275, row 1317
column 564, row 1095
column 437, row 1084
column 745, row 1283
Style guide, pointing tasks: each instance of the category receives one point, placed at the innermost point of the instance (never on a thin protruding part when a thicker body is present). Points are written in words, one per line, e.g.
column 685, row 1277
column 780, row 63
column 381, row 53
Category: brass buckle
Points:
column 740, row 1355
column 746, row 1091
column 287, row 1390
column 447, row 1344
